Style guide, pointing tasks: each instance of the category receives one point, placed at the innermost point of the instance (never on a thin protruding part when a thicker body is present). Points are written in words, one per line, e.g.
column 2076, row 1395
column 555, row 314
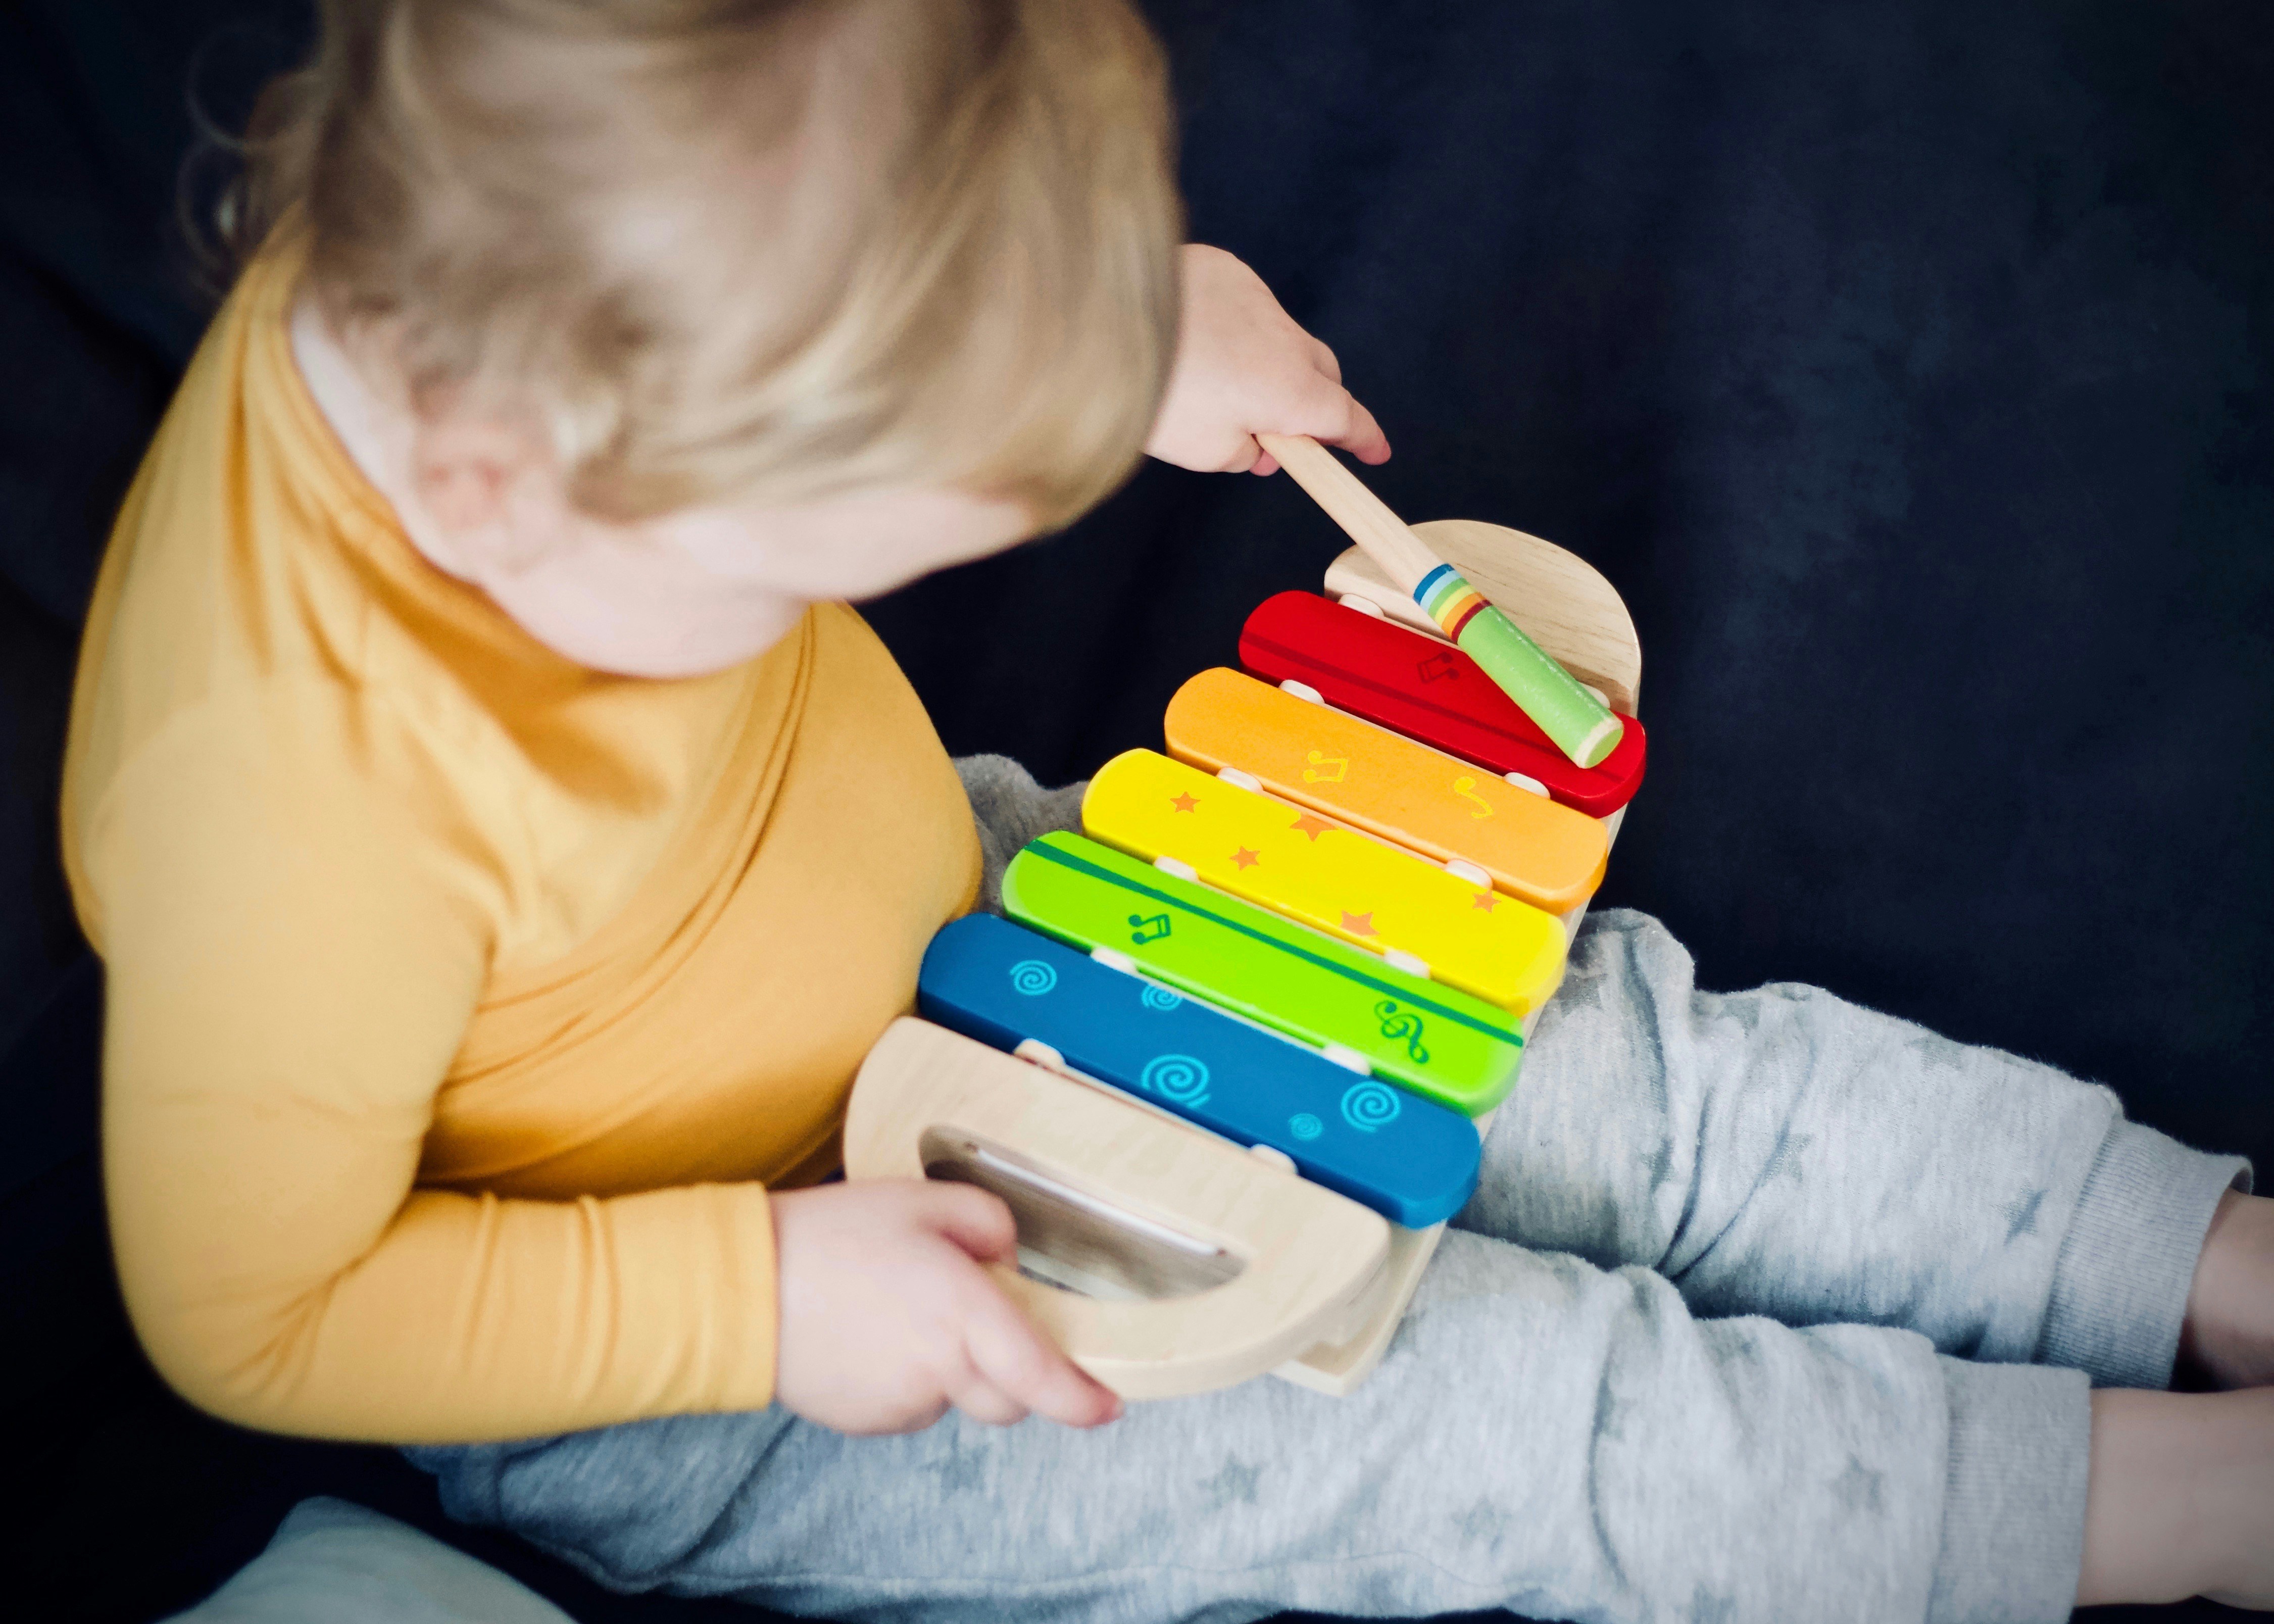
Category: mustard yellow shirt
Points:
column 462, row 1002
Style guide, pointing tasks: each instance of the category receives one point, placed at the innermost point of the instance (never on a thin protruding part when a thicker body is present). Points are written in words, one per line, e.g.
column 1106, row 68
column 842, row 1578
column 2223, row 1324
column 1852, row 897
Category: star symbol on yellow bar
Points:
column 1486, row 899
column 1183, row 803
column 1247, row 859
column 1311, row 826
column 1359, row 924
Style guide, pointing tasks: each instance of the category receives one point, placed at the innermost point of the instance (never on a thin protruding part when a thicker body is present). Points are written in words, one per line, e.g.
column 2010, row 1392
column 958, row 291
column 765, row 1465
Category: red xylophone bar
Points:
column 1427, row 691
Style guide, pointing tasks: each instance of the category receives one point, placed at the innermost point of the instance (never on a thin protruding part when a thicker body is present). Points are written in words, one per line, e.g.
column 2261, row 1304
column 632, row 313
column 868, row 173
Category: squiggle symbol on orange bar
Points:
column 1320, row 758
column 1465, row 787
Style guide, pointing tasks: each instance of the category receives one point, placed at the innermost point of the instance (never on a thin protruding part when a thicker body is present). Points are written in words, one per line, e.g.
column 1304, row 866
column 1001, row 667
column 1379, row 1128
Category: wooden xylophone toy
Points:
column 1231, row 1055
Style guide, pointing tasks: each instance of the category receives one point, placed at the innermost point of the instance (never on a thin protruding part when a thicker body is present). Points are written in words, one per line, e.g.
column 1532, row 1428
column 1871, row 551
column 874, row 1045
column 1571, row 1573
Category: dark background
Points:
column 1905, row 363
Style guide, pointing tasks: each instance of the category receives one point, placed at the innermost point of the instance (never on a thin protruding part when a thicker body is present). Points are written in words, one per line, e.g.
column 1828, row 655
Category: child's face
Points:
column 692, row 592
column 708, row 587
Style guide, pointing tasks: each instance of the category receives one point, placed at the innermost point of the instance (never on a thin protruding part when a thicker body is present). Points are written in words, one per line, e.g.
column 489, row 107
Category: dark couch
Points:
column 1909, row 367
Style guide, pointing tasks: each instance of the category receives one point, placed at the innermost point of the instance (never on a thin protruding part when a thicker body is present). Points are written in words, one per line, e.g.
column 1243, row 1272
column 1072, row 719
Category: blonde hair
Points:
column 750, row 248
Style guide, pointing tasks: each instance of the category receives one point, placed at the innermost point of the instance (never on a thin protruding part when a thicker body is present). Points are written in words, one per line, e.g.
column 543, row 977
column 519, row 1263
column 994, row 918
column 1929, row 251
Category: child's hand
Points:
column 1244, row 368
column 888, row 1316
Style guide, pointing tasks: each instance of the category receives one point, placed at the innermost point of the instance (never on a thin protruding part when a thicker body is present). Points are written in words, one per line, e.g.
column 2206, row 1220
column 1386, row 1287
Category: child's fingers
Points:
column 975, row 1220
column 1332, row 416
column 1013, row 1355
column 1339, row 419
column 983, row 1400
column 1362, row 436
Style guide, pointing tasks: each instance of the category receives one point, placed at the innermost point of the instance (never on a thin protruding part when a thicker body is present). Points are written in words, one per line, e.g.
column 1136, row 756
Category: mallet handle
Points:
column 1385, row 537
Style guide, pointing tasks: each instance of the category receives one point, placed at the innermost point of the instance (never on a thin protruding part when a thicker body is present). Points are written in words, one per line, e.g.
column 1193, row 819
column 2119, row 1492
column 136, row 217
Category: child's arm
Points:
column 291, row 972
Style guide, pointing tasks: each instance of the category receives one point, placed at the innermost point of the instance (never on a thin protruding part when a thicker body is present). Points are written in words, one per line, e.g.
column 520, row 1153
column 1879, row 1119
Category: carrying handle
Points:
column 1307, row 1259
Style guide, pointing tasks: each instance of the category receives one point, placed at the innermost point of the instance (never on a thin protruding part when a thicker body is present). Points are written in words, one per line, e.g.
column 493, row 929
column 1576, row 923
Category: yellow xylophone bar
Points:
column 1420, row 916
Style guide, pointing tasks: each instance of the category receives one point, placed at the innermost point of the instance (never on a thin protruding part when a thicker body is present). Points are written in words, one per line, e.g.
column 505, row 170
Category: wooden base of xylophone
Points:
column 1163, row 1259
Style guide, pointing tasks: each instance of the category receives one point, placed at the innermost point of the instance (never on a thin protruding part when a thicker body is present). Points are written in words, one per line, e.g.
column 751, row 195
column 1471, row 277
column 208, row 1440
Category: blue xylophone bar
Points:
column 1410, row 1159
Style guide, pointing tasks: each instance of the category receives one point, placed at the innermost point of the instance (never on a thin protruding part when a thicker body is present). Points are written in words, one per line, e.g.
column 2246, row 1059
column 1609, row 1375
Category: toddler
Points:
column 504, row 845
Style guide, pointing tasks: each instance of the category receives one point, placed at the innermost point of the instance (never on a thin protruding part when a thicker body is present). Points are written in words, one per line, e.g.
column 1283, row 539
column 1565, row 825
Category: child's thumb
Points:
column 975, row 1220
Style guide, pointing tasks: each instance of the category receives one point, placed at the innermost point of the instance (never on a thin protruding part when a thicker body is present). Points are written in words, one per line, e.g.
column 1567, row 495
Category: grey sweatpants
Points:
column 1768, row 1307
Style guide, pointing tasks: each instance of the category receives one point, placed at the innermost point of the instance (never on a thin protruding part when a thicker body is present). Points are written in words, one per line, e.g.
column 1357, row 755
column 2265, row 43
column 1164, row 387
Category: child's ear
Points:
column 473, row 475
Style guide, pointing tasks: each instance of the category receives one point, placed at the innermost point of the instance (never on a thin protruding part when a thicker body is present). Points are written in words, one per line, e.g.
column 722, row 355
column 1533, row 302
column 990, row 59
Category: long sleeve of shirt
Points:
column 286, row 995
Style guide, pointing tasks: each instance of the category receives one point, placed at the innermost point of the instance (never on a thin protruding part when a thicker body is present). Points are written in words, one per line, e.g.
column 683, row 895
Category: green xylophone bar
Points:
column 1435, row 1039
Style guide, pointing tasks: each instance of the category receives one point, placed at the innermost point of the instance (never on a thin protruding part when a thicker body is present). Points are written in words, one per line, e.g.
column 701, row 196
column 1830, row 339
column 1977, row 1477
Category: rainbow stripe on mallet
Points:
column 1582, row 726
column 1447, row 599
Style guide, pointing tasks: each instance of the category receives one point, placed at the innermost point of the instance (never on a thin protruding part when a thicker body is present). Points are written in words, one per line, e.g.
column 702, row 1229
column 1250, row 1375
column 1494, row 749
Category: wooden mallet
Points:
column 1583, row 727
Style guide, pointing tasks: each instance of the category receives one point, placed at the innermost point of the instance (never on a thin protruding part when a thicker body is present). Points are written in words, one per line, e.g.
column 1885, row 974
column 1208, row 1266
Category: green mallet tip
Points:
column 1583, row 727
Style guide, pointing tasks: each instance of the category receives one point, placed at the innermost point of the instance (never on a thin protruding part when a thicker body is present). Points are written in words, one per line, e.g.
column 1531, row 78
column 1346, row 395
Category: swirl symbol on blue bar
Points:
column 1303, row 1125
column 1178, row 1078
column 1160, row 997
column 1369, row 1105
column 1033, row 977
